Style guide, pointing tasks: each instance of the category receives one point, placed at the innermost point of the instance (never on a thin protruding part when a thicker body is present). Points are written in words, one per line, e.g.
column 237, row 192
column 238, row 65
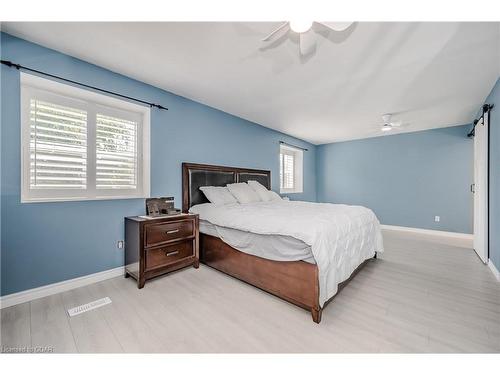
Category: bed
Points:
column 304, row 253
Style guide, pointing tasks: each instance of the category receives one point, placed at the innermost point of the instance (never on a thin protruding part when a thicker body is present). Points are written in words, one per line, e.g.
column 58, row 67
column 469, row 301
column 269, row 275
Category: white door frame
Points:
column 481, row 183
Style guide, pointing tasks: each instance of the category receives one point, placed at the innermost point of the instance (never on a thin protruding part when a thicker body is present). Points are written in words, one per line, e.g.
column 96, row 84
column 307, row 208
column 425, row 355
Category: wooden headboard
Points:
column 196, row 175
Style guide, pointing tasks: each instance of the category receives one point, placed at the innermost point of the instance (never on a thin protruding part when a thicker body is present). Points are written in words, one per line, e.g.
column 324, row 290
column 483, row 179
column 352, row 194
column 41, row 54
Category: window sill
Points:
column 77, row 199
column 290, row 191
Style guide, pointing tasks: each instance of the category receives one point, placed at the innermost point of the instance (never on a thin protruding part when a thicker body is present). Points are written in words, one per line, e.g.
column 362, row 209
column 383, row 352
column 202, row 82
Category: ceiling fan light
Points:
column 386, row 128
column 300, row 26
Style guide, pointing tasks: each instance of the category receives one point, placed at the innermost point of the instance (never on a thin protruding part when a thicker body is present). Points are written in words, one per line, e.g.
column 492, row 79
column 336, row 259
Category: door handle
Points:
column 473, row 188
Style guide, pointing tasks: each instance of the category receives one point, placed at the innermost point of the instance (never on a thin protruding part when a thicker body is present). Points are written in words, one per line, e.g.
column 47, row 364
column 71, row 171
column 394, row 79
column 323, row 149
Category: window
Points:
column 291, row 170
column 81, row 145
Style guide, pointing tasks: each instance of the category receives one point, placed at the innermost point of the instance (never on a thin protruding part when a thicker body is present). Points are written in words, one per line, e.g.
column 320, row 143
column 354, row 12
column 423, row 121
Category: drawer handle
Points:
column 172, row 253
column 172, row 231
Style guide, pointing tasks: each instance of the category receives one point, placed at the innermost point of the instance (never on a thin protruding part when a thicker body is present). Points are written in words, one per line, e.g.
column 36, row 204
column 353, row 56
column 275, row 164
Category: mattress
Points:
column 269, row 246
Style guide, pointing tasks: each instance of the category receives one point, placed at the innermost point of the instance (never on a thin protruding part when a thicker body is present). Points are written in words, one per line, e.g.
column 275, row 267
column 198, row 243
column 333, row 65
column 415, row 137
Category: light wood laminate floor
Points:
column 419, row 296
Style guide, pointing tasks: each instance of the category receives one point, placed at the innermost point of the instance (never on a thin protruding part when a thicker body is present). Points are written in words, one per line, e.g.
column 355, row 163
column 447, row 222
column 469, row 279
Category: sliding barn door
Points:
column 481, row 188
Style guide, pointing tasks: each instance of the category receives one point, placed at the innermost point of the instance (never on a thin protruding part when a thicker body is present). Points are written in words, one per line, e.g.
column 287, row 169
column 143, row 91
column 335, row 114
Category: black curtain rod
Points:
column 486, row 108
column 21, row 67
column 289, row 144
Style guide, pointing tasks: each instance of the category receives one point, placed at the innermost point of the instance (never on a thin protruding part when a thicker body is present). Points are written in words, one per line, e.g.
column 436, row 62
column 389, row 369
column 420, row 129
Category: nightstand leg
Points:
column 141, row 282
column 126, row 275
column 196, row 264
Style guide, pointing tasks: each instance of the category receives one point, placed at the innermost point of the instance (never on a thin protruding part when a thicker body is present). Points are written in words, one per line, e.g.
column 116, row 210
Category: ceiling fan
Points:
column 307, row 38
column 388, row 125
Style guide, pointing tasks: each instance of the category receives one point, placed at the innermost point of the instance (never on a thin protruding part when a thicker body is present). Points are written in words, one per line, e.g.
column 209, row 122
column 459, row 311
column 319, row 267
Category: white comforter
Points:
column 341, row 237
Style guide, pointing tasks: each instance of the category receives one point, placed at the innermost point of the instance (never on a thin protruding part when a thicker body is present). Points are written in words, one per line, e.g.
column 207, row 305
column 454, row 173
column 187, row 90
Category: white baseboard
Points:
column 432, row 232
column 454, row 237
column 494, row 269
column 47, row 290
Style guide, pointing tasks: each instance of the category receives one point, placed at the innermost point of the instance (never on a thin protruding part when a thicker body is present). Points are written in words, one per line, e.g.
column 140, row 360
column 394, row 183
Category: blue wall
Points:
column 406, row 179
column 494, row 98
column 43, row 243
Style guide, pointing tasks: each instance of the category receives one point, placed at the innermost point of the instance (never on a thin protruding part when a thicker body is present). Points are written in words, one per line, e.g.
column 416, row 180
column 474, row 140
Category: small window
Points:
column 80, row 145
column 291, row 170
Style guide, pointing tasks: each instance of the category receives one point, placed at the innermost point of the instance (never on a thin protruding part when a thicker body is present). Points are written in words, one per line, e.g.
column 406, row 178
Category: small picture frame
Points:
column 160, row 206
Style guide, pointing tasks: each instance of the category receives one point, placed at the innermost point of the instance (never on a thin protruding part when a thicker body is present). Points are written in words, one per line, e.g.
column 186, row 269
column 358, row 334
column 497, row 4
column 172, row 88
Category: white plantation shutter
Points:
column 287, row 170
column 291, row 170
column 116, row 153
column 58, row 146
column 80, row 145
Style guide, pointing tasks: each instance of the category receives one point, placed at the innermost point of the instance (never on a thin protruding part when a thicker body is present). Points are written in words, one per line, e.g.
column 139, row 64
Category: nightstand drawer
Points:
column 168, row 254
column 159, row 233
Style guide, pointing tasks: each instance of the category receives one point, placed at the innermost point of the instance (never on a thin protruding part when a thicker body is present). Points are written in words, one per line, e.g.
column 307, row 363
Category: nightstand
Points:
column 160, row 245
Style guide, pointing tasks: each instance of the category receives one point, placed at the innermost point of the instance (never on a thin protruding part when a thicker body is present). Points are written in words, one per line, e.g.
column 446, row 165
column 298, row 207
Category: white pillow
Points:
column 261, row 190
column 218, row 195
column 274, row 196
column 243, row 193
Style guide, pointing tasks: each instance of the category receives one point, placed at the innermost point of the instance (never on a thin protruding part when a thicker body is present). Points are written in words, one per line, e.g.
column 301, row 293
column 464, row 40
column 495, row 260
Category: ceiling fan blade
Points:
column 307, row 43
column 336, row 26
column 277, row 33
column 396, row 124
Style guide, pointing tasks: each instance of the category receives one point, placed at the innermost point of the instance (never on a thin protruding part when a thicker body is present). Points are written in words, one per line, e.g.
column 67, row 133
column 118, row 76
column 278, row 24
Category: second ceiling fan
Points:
column 307, row 36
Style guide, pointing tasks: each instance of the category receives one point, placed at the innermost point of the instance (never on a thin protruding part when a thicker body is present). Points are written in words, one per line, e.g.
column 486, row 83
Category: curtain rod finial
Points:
column 10, row 64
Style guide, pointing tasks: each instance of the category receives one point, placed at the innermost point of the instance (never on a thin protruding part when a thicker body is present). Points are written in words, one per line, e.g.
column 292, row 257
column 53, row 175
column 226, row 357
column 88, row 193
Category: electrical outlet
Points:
column 437, row 219
column 120, row 244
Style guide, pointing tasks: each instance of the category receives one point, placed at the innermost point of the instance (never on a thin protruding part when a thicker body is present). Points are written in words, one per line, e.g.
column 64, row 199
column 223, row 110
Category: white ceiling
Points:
column 429, row 75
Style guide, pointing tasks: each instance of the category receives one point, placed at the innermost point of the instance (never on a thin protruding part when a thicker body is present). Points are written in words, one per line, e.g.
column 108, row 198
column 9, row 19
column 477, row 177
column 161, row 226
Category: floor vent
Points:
column 89, row 306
